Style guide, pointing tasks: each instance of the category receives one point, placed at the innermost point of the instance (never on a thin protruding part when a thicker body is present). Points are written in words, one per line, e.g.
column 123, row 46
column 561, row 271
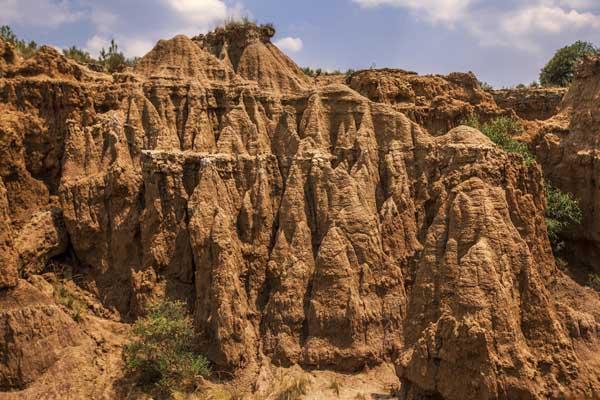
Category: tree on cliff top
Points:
column 560, row 69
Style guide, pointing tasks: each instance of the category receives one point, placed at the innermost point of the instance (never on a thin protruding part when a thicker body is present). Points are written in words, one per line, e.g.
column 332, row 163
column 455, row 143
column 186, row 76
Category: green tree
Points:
column 78, row 55
column 113, row 60
column 560, row 69
column 162, row 352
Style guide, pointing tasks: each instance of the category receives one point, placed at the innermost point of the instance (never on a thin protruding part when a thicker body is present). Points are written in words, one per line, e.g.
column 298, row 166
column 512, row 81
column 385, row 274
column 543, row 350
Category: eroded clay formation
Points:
column 303, row 223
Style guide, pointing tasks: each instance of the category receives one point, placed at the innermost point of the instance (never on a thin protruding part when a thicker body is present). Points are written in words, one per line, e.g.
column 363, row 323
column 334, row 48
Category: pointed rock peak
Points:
column 248, row 48
column 311, row 124
column 181, row 58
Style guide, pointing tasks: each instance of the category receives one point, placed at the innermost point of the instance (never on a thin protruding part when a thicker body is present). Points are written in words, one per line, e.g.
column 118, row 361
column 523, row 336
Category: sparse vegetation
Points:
column 319, row 71
column 65, row 290
column 79, row 55
column 162, row 355
column 26, row 49
column 501, row 131
column 560, row 69
column 66, row 297
column 563, row 213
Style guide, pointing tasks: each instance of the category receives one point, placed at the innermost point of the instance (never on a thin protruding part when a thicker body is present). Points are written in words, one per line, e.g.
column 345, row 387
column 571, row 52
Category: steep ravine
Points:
column 304, row 225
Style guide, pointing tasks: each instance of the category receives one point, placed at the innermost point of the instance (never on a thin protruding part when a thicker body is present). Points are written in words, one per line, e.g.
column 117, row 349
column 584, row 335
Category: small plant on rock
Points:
column 562, row 214
column 162, row 353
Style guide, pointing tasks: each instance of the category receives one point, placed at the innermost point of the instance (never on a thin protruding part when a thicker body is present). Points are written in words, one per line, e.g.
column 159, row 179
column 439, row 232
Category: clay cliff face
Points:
column 438, row 103
column 568, row 148
column 531, row 103
column 303, row 224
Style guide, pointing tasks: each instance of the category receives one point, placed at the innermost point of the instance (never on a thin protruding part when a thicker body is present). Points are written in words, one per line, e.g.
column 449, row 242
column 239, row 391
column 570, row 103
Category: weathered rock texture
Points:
column 438, row 103
column 568, row 147
column 305, row 224
column 531, row 103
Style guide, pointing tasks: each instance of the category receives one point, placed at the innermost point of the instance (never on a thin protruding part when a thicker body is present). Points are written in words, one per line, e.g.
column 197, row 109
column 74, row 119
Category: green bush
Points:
column 26, row 49
column 562, row 214
column 560, row 69
column 78, row 55
column 162, row 353
column 501, row 131
column 113, row 60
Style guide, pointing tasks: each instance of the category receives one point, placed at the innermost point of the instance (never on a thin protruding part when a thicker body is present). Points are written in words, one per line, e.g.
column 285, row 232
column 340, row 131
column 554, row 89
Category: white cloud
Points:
column 545, row 19
column 95, row 44
column 435, row 11
column 524, row 24
column 199, row 12
column 103, row 20
column 137, row 47
column 46, row 13
column 290, row 44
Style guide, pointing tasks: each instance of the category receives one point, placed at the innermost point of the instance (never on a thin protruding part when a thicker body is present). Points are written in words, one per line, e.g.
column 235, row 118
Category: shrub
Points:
column 486, row 86
column 562, row 214
column 26, row 49
column 501, row 131
column 113, row 60
column 560, row 69
column 78, row 55
column 162, row 353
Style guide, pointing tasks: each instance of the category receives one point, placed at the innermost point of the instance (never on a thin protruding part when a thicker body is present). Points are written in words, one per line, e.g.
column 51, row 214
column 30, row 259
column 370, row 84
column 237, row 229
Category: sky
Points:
column 504, row 42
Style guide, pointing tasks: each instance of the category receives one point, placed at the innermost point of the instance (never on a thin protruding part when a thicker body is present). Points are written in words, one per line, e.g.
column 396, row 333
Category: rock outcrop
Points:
column 438, row 103
column 531, row 103
column 303, row 224
column 247, row 49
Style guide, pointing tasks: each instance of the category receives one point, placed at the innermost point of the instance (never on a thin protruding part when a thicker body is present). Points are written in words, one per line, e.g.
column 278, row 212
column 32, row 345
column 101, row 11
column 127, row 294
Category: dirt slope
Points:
column 305, row 225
